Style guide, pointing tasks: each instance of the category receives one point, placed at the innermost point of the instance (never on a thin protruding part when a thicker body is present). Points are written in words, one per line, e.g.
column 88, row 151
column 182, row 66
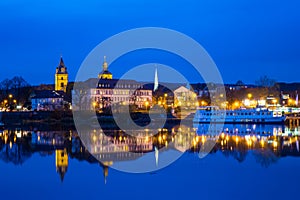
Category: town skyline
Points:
column 139, row 77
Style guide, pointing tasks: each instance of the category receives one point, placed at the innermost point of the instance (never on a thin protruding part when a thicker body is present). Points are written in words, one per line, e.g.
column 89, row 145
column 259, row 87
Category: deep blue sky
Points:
column 250, row 38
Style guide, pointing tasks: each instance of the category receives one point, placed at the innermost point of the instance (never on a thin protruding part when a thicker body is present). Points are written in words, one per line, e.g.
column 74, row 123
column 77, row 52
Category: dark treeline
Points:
column 19, row 90
column 17, row 87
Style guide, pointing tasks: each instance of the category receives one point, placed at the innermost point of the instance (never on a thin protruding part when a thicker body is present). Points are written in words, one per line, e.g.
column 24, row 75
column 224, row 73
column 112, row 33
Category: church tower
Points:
column 105, row 74
column 61, row 162
column 61, row 77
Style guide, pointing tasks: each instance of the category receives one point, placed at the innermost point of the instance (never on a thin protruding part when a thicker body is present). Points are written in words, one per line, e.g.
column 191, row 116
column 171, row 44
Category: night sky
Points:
column 251, row 39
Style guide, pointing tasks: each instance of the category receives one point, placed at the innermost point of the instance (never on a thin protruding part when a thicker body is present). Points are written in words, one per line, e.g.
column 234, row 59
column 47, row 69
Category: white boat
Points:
column 213, row 114
column 240, row 129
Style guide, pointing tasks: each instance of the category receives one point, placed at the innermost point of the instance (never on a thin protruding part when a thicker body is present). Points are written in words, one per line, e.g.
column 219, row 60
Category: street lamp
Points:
column 249, row 95
column 146, row 104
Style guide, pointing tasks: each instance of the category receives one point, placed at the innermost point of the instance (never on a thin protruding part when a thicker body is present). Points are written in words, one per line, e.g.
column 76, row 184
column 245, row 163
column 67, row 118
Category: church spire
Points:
column 155, row 80
column 61, row 62
column 105, row 65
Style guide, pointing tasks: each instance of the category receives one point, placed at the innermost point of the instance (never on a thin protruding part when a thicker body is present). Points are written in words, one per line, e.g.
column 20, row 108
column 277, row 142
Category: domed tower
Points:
column 61, row 77
column 105, row 74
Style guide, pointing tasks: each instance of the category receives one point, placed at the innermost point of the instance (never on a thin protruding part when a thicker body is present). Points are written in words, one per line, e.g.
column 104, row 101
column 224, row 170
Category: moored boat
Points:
column 256, row 115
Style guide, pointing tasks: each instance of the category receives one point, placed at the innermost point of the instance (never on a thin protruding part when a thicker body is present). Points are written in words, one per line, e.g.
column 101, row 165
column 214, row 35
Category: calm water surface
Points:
column 247, row 162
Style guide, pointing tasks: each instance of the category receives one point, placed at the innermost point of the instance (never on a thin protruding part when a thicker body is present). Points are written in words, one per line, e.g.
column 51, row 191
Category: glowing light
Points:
column 246, row 102
column 159, row 138
column 236, row 139
column 262, row 142
column 203, row 139
column 236, row 104
column 222, row 135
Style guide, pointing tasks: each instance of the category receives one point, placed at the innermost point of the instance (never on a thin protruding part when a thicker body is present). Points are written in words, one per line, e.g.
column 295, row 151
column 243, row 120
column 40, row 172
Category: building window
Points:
column 62, row 84
column 62, row 78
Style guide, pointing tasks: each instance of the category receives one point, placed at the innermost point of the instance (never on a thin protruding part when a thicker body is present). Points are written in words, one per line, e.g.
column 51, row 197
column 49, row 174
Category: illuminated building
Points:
column 61, row 77
column 184, row 97
column 118, row 91
column 61, row 162
column 47, row 100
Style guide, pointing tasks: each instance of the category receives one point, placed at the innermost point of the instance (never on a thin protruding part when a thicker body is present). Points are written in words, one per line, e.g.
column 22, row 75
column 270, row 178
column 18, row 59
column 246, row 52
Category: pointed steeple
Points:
column 188, row 86
column 155, row 80
column 105, row 65
column 61, row 68
column 61, row 62
column 62, row 172
column 156, row 155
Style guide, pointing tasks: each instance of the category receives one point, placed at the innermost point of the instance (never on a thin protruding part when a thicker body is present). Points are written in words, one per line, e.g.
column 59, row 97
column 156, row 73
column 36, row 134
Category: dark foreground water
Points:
column 248, row 163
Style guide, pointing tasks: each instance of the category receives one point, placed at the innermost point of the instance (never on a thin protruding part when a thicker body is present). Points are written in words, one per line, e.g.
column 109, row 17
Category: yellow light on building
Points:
column 246, row 102
column 236, row 139
column 275, row 144
column 249, row 95
column 262, row 142
column 61, row 162
column 236, row 104
column 203, row 139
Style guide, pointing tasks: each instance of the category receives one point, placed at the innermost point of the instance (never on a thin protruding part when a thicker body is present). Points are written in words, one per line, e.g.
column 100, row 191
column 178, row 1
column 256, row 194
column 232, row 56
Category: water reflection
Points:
column 268, row 143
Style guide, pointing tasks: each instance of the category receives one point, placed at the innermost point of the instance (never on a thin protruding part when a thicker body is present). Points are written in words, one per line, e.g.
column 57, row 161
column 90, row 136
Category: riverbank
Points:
column 65, row 119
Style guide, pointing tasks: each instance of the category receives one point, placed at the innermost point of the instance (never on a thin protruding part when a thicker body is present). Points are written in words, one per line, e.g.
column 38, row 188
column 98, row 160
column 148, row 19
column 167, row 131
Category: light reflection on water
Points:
column 268, row 142
column 50, row 156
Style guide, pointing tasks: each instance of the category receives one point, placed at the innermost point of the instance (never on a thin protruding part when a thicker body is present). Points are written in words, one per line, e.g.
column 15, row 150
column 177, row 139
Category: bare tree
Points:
column 80, row 96
column 6, row 85
column 265, row 81
column 18, row 82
